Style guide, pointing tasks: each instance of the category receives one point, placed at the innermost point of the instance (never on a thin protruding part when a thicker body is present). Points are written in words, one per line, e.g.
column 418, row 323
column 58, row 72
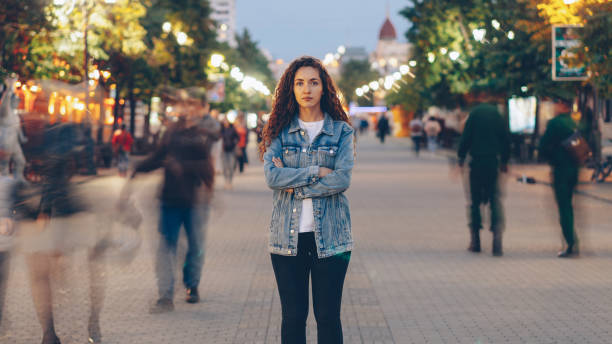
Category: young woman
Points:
column 307, row 148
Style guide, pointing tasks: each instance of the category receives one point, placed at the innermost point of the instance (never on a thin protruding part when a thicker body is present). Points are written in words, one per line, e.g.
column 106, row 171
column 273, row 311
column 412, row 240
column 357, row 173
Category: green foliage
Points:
column 597, row 37
column 23, row 27
column 353, row 75
column 503, row 64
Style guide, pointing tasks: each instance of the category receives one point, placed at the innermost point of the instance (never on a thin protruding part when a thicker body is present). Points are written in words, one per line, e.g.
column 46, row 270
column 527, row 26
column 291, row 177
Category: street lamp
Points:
column 167, row 27
column 453, row 55
column 479, row 34
column 181, row 38
column 510, row 35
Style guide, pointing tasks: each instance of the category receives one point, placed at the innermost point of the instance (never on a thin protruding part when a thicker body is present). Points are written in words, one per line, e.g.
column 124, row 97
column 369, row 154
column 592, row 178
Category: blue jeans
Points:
column 171, row 218
column 292, row 275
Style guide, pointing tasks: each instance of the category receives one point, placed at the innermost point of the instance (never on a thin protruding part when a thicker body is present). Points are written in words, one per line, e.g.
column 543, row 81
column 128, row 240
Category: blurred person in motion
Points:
column 416, row 132
column 216, row 148
column 208, row 124
column 382, row 127
column 185, row 196
column 486, row 138
column 564, row 171
column 308, row 154
column 7, row 230
column 432, row 129
column 243, row 134
column 229, row 139
column 122, row 144
column 61, row 230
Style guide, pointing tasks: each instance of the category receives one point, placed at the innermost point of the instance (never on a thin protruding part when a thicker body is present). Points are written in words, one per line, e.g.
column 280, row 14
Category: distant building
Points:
column 224, row 14
column 389, row 53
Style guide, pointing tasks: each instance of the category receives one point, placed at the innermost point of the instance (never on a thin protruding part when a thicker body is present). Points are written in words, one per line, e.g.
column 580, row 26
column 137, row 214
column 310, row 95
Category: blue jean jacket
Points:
column 332, row 148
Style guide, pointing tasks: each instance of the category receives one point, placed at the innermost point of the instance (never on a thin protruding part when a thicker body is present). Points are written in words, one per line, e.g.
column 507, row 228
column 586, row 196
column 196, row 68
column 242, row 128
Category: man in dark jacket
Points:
column 185, row 194
column 565, row 171
column 382, row 127
column 487, row 140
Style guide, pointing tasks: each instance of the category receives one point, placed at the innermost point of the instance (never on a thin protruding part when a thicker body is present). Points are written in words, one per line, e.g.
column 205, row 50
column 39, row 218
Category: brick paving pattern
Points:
column 410, row 279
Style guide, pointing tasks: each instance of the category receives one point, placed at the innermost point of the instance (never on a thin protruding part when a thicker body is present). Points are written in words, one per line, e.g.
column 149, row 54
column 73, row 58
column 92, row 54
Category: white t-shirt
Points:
column 307, row 217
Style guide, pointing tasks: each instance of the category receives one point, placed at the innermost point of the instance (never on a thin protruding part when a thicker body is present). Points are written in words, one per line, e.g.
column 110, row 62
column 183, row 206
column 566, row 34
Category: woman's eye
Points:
column 315, row 83
column 299, row 83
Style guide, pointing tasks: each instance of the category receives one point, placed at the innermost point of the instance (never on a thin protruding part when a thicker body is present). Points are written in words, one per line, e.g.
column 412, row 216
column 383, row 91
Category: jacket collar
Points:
column 328, row 124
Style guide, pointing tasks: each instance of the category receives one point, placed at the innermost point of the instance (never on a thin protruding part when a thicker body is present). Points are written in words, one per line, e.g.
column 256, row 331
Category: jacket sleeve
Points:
column 340, row 178
column 279, row 178
column 152, row 162
column 466, row 141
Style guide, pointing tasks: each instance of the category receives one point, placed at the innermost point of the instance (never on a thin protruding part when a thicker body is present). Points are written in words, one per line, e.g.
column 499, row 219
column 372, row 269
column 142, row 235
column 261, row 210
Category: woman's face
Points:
column 307, row 87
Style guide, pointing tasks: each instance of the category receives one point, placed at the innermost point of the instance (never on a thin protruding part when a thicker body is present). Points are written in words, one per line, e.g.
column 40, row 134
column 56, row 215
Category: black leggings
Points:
column 292, row 277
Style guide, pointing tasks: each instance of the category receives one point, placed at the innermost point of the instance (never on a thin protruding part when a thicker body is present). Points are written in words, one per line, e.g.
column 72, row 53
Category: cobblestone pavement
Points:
column 410, row 279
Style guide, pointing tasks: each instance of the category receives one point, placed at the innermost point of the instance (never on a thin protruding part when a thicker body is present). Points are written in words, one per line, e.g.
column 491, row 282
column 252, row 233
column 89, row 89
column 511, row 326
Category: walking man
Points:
column 184, row 201
column 487, row 140
column 564, row 171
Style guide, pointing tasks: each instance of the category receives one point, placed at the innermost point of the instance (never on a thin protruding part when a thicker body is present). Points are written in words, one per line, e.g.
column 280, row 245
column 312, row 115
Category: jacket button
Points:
column 294, row 210
column 292, row 231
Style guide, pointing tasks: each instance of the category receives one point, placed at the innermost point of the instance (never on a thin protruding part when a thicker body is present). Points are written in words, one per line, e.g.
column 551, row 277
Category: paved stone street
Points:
column 410, row 278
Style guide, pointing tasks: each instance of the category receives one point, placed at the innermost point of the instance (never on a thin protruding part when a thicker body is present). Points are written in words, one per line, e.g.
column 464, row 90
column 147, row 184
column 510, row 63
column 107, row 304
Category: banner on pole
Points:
column 567, row 65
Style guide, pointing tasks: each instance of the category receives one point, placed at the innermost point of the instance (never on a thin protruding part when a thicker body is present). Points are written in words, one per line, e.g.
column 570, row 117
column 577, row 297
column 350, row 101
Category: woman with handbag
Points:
column 308, row 154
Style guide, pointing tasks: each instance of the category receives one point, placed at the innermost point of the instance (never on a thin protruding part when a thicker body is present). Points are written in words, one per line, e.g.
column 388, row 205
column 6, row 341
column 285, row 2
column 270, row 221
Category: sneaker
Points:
column 162, row 305
column 192, row 295
column 569, row 253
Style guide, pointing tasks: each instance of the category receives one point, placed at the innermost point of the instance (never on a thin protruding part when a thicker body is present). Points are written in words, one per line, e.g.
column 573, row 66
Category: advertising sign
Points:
column 522, row 115
column 567, row 66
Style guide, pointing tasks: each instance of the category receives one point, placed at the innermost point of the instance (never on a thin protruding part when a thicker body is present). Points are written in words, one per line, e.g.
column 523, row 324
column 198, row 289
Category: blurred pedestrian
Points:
column 416, row 133
column 7, row 230
column 229, row 138
column 308, row 154
column 564, row 171
column 185, row 197
column 432, row 129
column 59, row 235
column 382, row 127
column 243, row 134
column 216, row 147
column 486, row 138
column 208, row 124
column 122, row 144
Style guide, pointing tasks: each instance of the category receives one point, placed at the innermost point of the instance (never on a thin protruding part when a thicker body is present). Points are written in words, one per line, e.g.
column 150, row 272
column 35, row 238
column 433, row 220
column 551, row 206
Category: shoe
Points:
column 475, row 241
column 50, row 338
column 569, row 253
column 192, row 295
column 162, row 305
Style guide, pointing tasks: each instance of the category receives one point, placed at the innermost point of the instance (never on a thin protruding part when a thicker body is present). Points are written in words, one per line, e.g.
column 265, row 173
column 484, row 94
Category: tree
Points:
column 23, row 30
column 354, row 74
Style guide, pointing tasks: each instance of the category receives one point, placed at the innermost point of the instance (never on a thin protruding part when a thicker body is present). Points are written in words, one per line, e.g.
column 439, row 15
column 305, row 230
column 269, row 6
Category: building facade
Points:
column 389, row 53
column 224, row 14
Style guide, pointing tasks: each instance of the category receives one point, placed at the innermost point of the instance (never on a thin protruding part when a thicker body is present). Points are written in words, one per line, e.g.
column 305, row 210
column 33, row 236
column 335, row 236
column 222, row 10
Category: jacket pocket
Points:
column 327, row 156
column 291, row 156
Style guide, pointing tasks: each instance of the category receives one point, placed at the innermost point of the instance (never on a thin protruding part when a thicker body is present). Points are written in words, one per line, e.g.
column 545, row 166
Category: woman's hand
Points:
column 323, row 171
column 278, row 162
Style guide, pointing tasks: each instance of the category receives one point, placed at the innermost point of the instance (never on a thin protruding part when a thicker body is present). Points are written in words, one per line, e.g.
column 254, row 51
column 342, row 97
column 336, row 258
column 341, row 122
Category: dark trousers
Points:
column 292, row 278
column 171, row 219
column 416, row 141
column 5, row 259
column 564, row 184
column 484, row 188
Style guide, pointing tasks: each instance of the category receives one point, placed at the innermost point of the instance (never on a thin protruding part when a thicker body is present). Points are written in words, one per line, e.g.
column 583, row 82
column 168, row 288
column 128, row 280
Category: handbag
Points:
column 577, row 148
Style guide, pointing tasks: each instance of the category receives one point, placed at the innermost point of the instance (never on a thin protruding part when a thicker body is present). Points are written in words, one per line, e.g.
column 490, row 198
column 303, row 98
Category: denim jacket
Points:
column 332, row 148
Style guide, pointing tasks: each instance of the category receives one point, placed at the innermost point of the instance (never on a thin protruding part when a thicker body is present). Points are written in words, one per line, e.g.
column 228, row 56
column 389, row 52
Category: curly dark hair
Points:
column 285, row 106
